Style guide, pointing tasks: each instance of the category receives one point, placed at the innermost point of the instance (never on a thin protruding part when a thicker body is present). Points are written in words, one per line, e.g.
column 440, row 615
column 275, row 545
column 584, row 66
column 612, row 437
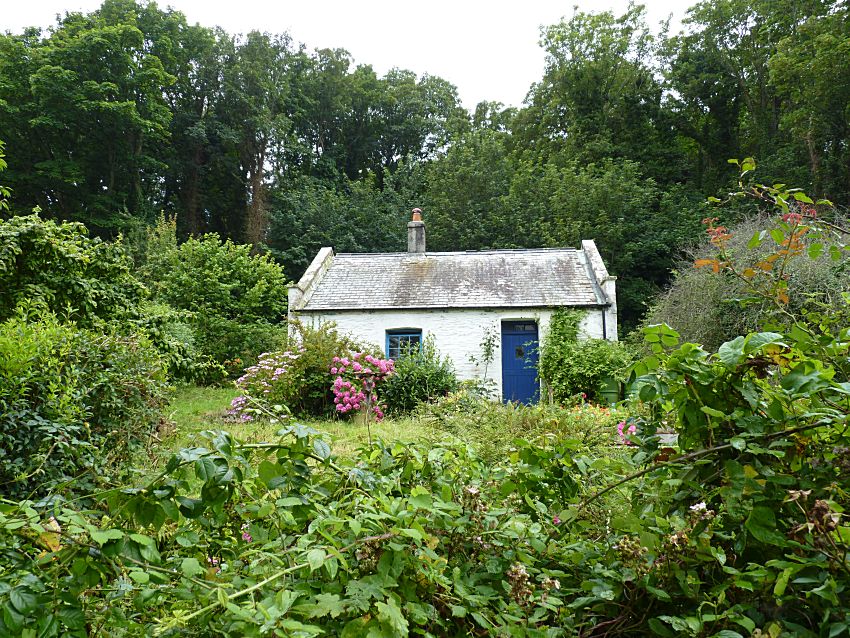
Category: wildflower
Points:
column 246, row 535
column 625, row 433
column 556, row 520
column 699, row 507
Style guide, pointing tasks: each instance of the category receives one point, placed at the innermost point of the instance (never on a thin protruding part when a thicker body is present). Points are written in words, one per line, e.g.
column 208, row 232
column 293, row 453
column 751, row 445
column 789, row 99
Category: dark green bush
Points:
column 220, row 278
column 172, row 333
column 72, row 401
column 238, row 300
column 419, row 377
column 233, row 344
column 570, row 366
column 83, row 279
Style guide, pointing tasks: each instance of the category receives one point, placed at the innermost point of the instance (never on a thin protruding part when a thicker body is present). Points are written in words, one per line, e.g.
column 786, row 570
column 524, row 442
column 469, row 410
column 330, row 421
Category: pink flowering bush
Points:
column 356, row 383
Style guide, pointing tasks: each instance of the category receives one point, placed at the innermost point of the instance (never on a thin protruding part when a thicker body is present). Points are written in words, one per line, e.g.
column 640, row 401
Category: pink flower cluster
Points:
column 358, row 391
column 625, row 432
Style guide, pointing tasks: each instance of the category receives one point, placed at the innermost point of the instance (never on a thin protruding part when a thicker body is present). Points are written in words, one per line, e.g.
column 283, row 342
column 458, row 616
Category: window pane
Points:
column 400, row 343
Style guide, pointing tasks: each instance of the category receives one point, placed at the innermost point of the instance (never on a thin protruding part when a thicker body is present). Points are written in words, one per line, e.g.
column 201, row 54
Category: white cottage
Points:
column 396, row 300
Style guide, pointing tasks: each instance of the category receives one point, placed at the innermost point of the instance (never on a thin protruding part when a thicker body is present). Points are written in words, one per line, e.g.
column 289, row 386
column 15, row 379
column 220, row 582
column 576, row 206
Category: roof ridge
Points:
column 462, row 252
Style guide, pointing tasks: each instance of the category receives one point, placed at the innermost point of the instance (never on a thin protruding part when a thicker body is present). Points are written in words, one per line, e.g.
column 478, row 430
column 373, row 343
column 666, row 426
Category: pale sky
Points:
column 489, row 49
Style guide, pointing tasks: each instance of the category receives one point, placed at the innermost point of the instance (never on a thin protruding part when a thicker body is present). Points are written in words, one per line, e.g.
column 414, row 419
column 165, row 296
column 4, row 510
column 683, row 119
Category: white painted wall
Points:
column 457, row 333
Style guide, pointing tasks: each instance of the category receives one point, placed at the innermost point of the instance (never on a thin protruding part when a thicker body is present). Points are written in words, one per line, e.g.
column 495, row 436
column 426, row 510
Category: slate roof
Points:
column 485, row 279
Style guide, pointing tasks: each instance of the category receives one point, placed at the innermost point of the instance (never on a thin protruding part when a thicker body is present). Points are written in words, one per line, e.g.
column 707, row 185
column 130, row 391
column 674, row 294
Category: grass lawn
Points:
column 194, row 409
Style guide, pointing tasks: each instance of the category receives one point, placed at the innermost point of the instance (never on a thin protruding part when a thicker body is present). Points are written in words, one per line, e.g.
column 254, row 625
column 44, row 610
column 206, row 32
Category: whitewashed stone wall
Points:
column 457, row 333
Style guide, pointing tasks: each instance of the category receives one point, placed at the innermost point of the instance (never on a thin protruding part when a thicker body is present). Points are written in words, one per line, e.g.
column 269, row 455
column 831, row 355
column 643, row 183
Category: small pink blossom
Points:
column 625, row 433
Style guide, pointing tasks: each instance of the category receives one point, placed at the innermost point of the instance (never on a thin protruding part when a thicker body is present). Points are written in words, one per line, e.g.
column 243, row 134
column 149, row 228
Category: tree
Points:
column 812, row 77
column 599, row 96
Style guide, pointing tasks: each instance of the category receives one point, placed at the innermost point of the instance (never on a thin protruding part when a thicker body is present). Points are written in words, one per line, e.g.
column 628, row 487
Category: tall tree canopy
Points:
column 113, row 116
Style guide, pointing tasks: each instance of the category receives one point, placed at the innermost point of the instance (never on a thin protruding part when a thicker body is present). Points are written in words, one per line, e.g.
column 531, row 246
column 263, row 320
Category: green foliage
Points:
column 172, row 333
column 237, row 300
column 419, row 377
column 493, row 428
column 84, row 279
column 570, row 366
column 220, row 278
column 74, row 402
column 738, row 530
column 4, row 191
column 236, row 538
column 758, row 493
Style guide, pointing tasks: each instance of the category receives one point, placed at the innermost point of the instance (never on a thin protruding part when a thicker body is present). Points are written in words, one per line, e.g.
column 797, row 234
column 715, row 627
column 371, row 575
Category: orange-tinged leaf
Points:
column 782, row 297
column 701, row 263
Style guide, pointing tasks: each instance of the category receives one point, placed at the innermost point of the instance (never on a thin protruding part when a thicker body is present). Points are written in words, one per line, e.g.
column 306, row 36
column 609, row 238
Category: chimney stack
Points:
column 416, row 233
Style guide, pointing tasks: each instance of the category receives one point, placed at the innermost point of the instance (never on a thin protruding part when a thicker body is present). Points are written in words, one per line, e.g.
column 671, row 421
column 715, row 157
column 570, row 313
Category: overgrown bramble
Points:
column 518, row 579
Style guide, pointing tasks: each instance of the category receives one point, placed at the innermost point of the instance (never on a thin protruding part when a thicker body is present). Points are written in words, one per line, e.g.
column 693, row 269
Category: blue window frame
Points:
column 403, row 341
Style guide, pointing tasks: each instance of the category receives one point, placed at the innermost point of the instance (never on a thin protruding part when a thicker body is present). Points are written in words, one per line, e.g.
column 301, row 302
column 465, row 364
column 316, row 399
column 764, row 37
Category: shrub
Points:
column 419, row 377
column 220, row 278
column 300, row 378
column 232, row 343
column 83, row 279
column 172, row 333
column 709, row 308
column 238, row 299
column 571, row 367
column 71, row 400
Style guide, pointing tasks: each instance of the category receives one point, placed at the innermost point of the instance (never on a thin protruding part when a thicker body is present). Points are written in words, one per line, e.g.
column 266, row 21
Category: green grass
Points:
column 194, row 409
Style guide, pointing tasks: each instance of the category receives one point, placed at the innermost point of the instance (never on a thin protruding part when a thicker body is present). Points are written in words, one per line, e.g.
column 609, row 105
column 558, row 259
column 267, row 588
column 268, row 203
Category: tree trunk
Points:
column 191, row 195
column 256, row 220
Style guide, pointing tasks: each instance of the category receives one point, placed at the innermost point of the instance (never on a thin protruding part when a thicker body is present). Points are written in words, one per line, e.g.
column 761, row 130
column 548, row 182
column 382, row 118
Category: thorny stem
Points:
column 688, row 457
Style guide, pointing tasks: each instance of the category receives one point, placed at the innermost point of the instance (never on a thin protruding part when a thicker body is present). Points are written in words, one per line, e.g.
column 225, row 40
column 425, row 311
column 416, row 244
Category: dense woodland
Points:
column 111, row 117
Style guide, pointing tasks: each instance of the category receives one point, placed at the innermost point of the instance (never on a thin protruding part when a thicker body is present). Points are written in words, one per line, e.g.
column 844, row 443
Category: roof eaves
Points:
column 453, row 307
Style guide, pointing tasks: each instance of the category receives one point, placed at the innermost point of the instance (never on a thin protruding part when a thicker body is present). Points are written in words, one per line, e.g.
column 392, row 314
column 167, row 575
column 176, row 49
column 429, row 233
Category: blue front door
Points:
column 519, row 361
